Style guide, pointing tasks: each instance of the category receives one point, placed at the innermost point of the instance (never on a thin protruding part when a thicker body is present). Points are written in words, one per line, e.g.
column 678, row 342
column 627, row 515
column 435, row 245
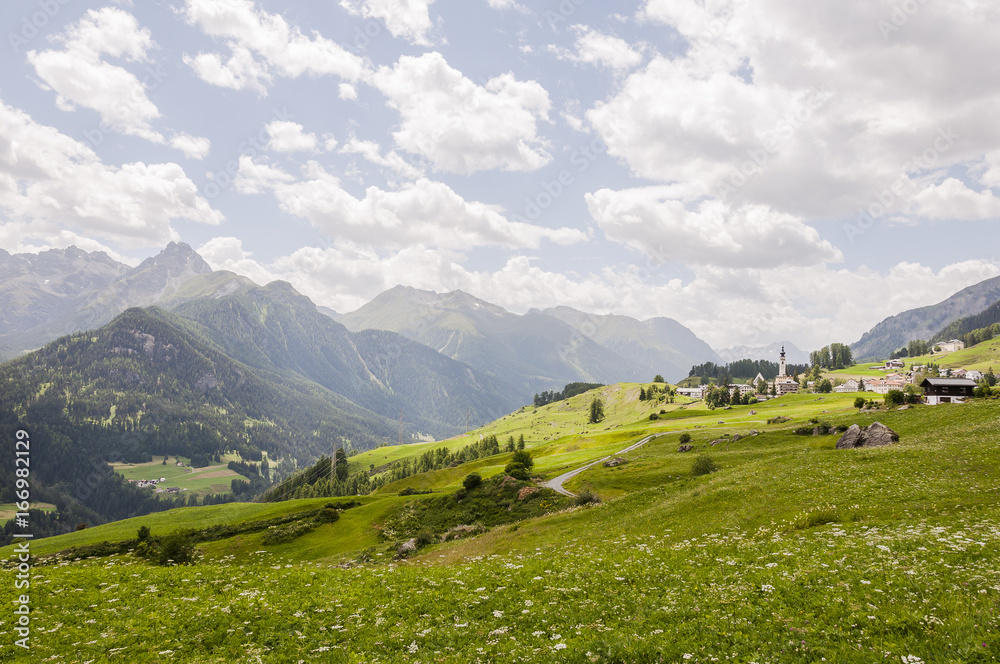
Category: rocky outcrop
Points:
column 617, row 461
column 685, row 448
column 874, row 435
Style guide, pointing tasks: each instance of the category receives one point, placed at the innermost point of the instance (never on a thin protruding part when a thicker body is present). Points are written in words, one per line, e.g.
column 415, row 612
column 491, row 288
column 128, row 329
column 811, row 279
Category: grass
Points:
column 9, row 510
column 198, row 481
column 792, row 551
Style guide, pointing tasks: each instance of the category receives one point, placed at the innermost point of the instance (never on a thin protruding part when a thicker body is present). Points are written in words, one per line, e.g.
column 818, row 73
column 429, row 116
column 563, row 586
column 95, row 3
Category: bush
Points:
column 894, row 398
column 685, row 438
column 654, row 416
column 586, row 497
column 177, row 548
column 472, row 481
column 704, row 465
column 859, row 402
column 517, row 471
column 327, row 515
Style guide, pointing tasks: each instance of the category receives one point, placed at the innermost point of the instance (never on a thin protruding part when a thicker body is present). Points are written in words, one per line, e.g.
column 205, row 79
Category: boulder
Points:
column 407, row 547
column 879, row 435
column 752, row 412
column 685, row 448
column 874, row 435
column 736, row 437
column 617, row 461
column 906, row 407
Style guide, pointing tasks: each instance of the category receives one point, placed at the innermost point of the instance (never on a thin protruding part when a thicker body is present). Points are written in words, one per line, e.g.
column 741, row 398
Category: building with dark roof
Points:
column 947, row 390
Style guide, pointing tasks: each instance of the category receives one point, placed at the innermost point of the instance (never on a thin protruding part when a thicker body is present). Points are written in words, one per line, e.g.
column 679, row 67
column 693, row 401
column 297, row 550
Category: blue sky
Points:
column 757, row 170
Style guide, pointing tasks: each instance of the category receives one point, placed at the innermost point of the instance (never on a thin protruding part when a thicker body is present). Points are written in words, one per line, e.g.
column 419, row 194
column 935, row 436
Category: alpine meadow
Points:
column 430, row 332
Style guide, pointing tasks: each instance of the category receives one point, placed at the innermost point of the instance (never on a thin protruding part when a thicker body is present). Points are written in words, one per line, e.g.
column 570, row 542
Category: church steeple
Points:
column 781, row 371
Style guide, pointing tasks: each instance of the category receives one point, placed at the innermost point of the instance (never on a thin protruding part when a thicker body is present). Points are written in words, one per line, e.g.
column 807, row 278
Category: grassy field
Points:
column 792, row 551
column 9, row 510
column 197, row 481
column 981, row 357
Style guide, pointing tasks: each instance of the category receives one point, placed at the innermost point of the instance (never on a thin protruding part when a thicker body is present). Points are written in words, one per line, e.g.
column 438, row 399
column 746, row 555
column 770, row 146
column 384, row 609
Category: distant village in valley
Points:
column 919, row 382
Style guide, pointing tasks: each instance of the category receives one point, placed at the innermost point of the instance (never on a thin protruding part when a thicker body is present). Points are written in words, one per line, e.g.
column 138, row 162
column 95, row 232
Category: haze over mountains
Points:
column 923, row 323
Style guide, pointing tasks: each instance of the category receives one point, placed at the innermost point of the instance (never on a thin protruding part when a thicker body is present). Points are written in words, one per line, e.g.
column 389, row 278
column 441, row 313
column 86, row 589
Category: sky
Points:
column 759, row 170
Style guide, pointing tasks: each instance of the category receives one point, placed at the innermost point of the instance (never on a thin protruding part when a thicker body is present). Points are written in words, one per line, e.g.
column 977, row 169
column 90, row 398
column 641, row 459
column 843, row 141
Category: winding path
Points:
column 556, row 483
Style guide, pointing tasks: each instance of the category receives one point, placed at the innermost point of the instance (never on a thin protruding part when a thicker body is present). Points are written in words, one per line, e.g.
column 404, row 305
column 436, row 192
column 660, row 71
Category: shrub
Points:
column 327, row 515
column 472, row 481
column 685, row 438
column 704, row 465
column 586, row 497
column 654, row 416
column 177, row 548
column 517, row 471
column 859, row 402
column 894, row 398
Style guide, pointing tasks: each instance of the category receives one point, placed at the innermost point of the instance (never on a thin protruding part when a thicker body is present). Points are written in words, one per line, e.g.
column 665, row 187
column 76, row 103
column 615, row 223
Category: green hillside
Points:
column 792, row 551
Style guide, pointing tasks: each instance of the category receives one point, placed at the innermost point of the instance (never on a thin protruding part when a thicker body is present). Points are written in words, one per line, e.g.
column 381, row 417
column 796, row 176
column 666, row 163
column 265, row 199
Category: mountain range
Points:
column 539, row 350
column 925, row 322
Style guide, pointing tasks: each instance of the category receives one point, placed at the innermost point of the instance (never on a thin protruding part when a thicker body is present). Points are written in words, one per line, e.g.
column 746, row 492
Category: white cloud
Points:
column 287, row 136
column 347, row 92
column 421, row 212
column 462, row 127
column 508, row 4
column 262, row 45
column 834, row 110
column 371, row 151
column 406, row 19
column 600, row 50
column 80, row 76
column 811, row 305
column 193, row 147
column 652, row 221
column 951, row 199
column 50, row 183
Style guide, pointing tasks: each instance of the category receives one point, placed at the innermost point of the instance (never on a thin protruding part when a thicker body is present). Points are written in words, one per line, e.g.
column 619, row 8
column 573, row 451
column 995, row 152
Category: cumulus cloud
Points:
column 50, row 182
column 262, row 45
column 80, row 76
column 193, row 147
column 462, row 127
column 420, row 212
column 392, row 161
column 655, row 223
column 287, row 136
column 812, row 305
column 508, row 4
column 405, row 19
column 594, row 48
column 810, row 126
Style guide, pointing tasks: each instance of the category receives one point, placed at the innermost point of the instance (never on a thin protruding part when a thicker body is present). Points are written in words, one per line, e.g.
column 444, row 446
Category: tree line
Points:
column 570, row 390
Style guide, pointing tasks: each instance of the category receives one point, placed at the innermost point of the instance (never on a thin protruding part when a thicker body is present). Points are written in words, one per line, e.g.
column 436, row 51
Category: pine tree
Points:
column 520, row 442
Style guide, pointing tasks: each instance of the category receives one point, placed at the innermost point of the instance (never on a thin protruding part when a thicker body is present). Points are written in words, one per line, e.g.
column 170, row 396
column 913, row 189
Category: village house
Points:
column 972, row 374
column 947, row 390
column 949, row 346
column 850, row 385
column 690, row 392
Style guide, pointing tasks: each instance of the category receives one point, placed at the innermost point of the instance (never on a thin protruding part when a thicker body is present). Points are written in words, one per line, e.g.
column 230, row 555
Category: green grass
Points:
column 981, row 357
column 197, row 481
column 791, row 552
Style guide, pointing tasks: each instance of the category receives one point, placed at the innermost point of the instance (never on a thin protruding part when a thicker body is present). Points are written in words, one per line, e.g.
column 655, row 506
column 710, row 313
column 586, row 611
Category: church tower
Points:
column 781, row 371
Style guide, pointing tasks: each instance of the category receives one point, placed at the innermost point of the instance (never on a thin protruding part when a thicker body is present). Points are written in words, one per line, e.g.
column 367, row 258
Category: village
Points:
column 939, row 385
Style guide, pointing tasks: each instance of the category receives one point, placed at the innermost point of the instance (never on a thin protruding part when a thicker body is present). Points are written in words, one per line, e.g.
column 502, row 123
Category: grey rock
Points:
column 617, row 461
column 407, row 547
column 874, row 435
column 685, row 448
column 850, row 439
